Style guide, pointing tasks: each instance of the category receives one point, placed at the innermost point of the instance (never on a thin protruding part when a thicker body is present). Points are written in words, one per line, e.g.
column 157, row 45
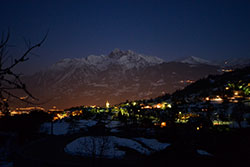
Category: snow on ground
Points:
column 130, row 144
column 114, row 130
column 59, row 128
column 202, row 152
column 107, row 146
column 86, row 123
column 153, row 144
column 113, row 124
column 98, row 146
column 62, row 127
column 244, row 124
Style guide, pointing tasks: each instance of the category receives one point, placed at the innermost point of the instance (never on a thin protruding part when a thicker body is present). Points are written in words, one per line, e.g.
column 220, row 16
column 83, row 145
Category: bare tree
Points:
column 95, row 146
column 10, row 81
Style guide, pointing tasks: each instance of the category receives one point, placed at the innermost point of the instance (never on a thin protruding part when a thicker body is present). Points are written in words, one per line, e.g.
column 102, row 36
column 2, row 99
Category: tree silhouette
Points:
column 10, row 81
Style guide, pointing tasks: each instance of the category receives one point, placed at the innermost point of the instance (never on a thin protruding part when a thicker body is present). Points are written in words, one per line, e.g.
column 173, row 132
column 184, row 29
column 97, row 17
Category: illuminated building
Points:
column 163, row 124
column 54, row 109
column 226, row 70
column 107, row 104
column 217, row 99
column 25, row 110
column 146, row 107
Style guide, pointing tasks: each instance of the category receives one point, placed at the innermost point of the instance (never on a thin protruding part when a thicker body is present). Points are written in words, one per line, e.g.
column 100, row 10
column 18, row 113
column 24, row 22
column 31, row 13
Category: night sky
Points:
column 210, row 29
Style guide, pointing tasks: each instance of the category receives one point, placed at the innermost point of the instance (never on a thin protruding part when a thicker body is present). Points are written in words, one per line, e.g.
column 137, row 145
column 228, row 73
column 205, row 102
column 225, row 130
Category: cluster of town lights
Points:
column 233, row 93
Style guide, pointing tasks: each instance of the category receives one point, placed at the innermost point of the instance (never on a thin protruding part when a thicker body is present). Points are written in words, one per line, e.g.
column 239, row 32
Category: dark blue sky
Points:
column 210, row 29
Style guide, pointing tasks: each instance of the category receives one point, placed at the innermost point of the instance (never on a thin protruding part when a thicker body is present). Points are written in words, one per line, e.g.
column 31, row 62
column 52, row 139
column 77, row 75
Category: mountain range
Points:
column 116, row 77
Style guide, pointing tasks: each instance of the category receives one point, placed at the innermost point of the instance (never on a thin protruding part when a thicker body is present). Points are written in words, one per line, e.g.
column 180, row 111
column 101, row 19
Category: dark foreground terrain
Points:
column 228, row 148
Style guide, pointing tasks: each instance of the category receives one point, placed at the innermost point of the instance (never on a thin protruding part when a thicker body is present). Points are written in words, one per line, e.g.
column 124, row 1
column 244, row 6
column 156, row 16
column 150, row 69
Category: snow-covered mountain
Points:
column 126, row 59
column 235, row 62
column 116, row 77
column 228, row 63
column 195, row 60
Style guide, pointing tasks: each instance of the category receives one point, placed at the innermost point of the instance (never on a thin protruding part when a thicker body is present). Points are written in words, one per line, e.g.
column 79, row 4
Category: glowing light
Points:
column 54, row 109
column 227, row 70
column 207, row 99
column 30, row 108
column 169, row 105
column 147, row 107
column 227, row 88
column 61, row 116
column 218, row 122
column 134, row 103
column 24, row 97
column 156, row 124
column 158, row 106
column 198, row 128
column 107, row 104
column 163, row 124
column 189, row 81
column 217, row 99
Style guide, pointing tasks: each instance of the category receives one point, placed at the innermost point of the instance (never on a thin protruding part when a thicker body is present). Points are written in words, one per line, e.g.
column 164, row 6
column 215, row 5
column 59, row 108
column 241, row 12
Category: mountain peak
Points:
column 118, row 53
column 131, row 59
column 127, row 59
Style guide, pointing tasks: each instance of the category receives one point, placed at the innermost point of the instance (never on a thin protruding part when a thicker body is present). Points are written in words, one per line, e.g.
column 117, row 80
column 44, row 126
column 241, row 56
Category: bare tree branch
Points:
column 9, row 80
column 16, row 97
column 24, row 56
column 6, row 40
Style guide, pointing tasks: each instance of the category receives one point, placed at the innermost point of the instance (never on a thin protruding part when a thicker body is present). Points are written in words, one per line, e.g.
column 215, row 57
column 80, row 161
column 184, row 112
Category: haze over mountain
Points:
column 227, row 63
column 194, row 60
column 116, row 77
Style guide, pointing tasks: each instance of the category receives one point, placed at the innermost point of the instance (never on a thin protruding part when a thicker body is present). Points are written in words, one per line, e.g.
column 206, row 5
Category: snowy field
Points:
column 108, row 146
column 202, row 152
column 62, row 127
column 153, row 144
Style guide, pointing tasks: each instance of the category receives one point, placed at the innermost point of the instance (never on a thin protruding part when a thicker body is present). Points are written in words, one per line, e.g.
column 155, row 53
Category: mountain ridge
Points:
column 116, row 77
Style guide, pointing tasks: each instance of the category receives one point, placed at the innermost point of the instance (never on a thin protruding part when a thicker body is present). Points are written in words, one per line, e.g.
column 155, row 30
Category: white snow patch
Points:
column 98, row 146
column 153, row 144
column 114, row 130
column 202, row 152
column 86, row 123
column 195, row 60
column 103, row 146
column 244, row 124
column 113, row 124
column 127, row 59
column 130, row 144
column 62, row 128
column 59, row 128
